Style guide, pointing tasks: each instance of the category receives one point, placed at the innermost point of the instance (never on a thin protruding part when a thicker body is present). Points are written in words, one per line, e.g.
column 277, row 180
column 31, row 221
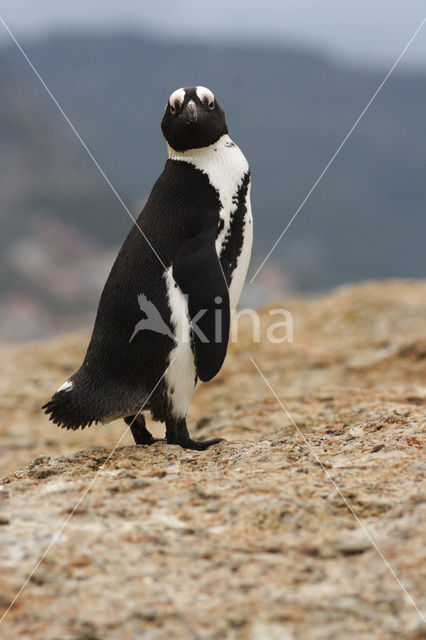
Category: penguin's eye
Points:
column 172, row 109
column 209, row 104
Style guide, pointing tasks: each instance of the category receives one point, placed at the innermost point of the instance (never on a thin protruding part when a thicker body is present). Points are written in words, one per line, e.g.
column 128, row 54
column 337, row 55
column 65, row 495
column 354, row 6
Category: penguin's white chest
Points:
column 180, row 376
column 225, row 166
column 238, row 276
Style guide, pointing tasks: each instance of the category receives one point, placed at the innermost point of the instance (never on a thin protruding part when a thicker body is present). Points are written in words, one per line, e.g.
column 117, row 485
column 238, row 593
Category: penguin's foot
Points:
column 201, row 445
column 139, row 430
column 177, row 433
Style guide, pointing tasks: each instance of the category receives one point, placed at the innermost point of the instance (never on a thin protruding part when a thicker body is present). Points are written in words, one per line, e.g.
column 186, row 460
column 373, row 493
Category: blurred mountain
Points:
column 288, row 110
column 47, row 239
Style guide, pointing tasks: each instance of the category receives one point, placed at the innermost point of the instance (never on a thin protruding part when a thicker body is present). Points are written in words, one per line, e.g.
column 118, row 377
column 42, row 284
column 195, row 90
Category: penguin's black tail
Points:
column 81, row 402
column 72, row 406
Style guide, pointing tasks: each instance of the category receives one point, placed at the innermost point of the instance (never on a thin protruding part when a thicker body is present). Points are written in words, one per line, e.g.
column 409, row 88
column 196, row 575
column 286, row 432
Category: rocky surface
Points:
column 289, row 530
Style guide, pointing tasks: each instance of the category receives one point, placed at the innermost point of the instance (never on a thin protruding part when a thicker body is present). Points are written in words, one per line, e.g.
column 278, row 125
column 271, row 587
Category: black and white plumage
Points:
column 198, row 221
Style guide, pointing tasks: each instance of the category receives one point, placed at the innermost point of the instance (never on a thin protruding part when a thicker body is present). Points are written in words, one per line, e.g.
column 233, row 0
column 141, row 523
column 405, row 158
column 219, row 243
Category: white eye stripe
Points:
column 177, row 96
column 203, row 93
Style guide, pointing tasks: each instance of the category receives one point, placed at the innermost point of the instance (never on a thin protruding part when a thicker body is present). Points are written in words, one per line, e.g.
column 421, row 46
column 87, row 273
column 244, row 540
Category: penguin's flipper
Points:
column 198, row 272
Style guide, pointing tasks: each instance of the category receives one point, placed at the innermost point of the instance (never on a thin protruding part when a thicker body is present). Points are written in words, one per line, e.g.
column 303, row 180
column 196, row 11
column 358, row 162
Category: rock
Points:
column 417, row 468
column 263, row 631
column 251, row 539
column 377, row 448
column 353, row 543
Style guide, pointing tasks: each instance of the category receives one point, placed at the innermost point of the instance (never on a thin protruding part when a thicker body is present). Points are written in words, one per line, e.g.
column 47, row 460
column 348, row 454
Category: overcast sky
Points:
column 361, row 31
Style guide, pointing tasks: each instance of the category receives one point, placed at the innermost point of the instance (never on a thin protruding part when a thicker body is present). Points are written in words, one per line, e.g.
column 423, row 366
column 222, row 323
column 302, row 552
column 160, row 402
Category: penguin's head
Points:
column 193, row 119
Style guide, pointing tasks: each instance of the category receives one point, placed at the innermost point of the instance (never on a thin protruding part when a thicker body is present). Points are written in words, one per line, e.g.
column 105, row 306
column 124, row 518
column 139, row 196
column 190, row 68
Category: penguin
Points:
column 162, row 325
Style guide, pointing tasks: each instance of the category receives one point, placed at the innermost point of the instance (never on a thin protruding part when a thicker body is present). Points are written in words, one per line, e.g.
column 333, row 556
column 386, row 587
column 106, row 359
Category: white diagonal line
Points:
column 86, row 491
column 339, row 148
column 345, row 500
column 80, row 139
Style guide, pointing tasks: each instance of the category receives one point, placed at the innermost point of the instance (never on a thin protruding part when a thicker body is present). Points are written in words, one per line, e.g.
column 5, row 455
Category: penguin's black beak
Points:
column 190, row 112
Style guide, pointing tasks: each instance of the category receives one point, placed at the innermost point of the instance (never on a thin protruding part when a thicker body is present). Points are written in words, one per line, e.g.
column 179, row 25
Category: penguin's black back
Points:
column 118, row 374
